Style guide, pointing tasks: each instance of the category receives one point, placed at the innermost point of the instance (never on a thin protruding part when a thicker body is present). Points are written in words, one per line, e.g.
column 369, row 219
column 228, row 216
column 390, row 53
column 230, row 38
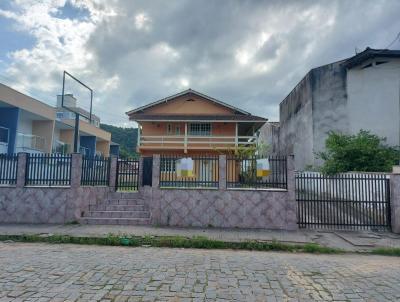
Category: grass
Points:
column 199, row 242
column 386, row 251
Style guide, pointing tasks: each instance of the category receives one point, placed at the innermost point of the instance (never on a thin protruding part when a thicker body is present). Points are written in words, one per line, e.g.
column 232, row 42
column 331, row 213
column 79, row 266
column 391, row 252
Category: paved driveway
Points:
column 41, row 272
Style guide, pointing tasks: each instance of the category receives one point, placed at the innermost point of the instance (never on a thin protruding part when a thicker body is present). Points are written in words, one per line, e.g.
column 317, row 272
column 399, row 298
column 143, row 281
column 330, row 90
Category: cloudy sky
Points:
column 247, row 53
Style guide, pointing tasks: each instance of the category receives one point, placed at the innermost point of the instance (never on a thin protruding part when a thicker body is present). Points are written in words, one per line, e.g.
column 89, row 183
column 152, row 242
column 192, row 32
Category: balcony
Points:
column 61, row 147
column 195, row 142
column 4, row 137
column 30, row 143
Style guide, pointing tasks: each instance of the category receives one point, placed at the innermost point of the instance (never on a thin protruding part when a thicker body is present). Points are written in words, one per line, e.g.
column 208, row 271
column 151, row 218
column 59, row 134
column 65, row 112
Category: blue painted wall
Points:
column 90, row 143
column 9, row 119
column 114, row 150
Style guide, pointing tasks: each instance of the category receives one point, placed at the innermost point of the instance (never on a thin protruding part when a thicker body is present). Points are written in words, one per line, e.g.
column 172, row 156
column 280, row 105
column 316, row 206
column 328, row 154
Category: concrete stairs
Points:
column 120, row 209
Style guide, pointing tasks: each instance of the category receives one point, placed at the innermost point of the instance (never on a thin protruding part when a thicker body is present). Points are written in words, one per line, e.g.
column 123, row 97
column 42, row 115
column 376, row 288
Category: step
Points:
column 127, row 202
column 118, row 207
column 118, row 221
column 118, row 214
column 124, row 195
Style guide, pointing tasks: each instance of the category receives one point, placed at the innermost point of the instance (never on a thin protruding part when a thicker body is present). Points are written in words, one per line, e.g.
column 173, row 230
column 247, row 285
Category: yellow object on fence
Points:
column 263, row 169
column 184, row 167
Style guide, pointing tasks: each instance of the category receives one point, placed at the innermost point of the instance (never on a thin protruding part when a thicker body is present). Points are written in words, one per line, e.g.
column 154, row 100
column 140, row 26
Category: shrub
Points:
column 363, row 152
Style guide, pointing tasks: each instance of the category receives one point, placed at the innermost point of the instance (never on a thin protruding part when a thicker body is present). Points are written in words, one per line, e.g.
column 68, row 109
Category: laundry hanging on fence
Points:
column 263, row 168
column 184, row 167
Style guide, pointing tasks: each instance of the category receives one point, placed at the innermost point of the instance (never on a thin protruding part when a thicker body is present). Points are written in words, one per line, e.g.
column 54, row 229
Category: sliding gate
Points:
column 345, row 201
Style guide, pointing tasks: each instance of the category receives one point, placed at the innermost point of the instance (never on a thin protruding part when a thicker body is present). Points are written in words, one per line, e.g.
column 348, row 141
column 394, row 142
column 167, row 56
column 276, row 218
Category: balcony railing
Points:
column 61, row 147
column 4, row 137
column 195, row 142
column 30, row 142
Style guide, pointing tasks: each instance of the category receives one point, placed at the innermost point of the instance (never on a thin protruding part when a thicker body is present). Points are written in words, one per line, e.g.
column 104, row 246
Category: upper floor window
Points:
column 202, row 129
column 169, row 129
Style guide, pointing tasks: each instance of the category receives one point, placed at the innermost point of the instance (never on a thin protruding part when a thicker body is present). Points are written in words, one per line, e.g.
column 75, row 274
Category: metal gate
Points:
column 345, row 201
column 147, row 171
column 127, row 175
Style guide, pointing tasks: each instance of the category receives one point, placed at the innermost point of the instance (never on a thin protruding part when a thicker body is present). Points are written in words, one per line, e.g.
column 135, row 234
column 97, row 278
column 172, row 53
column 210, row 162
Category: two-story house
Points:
column 190, row 123
column 29, row 125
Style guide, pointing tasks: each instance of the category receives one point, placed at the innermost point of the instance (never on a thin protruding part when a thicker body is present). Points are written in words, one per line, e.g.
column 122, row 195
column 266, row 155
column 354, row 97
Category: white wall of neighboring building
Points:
column 373, row 97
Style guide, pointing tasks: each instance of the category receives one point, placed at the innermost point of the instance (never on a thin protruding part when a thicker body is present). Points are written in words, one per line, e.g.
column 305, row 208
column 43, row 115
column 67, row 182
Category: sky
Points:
column 250, row 54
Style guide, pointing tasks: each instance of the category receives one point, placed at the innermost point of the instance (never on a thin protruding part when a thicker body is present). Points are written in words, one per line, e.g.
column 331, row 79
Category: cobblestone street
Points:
column 40, row 272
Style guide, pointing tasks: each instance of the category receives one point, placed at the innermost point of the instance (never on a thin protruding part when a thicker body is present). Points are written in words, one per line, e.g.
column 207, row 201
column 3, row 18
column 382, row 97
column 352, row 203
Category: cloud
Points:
column 247, row 53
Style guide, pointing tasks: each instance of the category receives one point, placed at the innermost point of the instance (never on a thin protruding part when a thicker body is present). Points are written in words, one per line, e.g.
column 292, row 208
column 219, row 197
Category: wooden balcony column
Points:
column 185, row 141
column 236, row 135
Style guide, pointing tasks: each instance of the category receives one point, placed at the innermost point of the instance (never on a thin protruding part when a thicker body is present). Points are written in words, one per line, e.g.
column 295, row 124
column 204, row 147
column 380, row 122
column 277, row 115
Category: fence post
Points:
column 140, row 175
column 21, row 169
column 156, row 171
column 76, row 170
column 222, row 172
column 291, row 207
column 395, row 199
column 113, row 171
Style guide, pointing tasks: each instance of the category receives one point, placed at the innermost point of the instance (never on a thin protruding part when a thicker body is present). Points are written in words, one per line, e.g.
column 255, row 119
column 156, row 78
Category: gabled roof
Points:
column 188, row 91
column 370, row 53
column 194, row 117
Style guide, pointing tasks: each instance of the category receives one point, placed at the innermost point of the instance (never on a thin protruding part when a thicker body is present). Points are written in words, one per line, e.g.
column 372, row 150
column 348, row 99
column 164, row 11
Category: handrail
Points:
column 30, row 141
column 191, row 140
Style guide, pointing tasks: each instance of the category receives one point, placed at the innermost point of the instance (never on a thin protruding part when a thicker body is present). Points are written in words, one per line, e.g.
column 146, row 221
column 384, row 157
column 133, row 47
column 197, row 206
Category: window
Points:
column 169, row 129
column 177, row 130
column 202, row 129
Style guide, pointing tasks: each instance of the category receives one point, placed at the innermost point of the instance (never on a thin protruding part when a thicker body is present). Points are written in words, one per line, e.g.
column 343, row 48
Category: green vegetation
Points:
column 125, row 137
column 363, row 152
column 387, row 251
column 198, row 242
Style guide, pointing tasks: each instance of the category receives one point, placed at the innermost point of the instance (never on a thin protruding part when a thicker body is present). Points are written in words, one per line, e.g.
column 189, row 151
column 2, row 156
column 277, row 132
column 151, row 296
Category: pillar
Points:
column 21, row 169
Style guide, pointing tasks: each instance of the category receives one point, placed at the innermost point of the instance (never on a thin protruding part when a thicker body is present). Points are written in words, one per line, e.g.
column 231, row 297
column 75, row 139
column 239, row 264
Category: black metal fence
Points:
column 204, row 173
column 95, row 171
column 48, row 170
column 127, row 175
column 351, row 200
column 242, row 173
column 8, row 169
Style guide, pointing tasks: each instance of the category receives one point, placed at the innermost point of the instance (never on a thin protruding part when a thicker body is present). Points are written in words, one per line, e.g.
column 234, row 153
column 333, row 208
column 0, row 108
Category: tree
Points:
column 363, row 152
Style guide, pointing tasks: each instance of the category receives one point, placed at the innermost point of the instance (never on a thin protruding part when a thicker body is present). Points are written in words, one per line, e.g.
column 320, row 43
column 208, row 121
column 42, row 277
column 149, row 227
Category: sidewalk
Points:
column 347, row 240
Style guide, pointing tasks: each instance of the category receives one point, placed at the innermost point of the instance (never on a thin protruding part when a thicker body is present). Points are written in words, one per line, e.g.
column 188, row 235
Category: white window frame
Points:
column 200, row 129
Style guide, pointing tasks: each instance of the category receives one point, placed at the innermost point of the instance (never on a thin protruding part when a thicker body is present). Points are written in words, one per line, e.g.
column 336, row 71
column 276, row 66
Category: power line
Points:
column 397, row 38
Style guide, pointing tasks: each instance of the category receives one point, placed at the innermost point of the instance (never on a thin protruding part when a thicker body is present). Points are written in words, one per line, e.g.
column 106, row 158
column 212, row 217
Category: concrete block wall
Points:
column 222, row 207
column 38, row 204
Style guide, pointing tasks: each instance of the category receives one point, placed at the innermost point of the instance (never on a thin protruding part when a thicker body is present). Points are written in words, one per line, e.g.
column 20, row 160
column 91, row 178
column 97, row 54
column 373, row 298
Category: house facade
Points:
column 28, row 125
column 190, row 123
column 361, row 92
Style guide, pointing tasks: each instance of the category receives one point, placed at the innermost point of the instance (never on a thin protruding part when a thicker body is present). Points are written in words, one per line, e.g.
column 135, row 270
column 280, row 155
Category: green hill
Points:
column 125, row 137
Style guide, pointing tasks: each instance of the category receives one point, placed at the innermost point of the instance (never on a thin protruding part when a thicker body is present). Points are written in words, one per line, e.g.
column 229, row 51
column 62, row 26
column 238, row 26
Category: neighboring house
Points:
column 361, row 92
column 28, row 125
column 269, row 134
column 190, row 123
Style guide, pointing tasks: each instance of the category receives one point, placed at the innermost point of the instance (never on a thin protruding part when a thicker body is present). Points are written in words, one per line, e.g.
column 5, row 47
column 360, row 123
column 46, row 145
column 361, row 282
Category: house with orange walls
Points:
column 192, row 123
